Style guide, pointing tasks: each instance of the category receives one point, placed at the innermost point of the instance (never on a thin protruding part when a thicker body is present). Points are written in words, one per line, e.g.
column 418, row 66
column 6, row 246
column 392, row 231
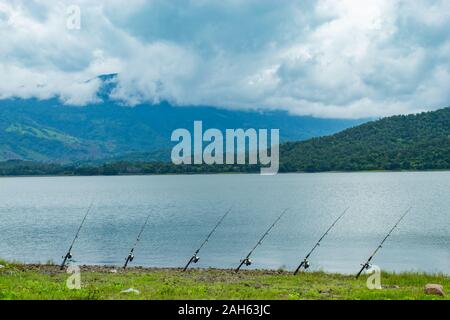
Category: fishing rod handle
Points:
column 298, row 268
column 240, row 266
column 126, row 262
column 63, row 264
column 188, row 264
column 360, row 271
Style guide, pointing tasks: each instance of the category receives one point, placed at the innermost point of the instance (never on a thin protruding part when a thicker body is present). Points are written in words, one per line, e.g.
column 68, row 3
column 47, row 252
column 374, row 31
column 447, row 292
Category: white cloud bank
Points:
column 327, row 58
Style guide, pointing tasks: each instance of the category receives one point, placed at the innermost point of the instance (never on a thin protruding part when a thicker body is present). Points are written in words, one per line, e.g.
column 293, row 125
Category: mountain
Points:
column 412, row 142
column 405, row 142
column 46, row 130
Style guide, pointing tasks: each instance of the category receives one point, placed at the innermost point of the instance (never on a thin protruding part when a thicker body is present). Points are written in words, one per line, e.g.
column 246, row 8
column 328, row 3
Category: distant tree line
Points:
column 28, row 168
column 412, row 142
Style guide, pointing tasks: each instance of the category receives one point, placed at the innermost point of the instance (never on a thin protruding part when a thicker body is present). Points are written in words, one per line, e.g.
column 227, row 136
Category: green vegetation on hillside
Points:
column 41, row 133
column 412, row 142
column 48, row 282
column 44, row 130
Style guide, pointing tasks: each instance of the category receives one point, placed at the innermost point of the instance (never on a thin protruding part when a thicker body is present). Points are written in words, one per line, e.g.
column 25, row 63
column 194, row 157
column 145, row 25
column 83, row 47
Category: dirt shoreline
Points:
column 55, row 269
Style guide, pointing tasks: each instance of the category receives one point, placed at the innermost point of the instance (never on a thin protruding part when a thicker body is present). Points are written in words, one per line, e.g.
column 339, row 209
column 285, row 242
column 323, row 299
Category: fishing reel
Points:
column 195, row 259
column 306, row 264
column 366, row 266
column 130, row 257
column 247, row 262
column 68, row 256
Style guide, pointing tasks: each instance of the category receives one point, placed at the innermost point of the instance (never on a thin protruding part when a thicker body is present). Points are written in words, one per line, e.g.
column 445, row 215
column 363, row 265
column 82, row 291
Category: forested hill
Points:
column 47, row 131
column 411, row 142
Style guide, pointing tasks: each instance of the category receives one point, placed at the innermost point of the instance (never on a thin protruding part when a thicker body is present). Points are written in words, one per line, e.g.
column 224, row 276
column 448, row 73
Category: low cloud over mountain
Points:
column 325, row 58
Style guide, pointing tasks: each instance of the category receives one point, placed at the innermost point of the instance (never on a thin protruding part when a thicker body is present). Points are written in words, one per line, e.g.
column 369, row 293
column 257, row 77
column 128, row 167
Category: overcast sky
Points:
column 346, row 59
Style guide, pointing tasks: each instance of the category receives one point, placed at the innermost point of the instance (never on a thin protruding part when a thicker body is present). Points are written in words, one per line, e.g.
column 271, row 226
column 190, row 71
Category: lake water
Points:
column 39, row 217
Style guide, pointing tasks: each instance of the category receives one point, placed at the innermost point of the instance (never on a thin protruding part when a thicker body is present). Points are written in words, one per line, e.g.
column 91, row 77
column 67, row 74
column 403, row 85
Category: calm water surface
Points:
column 39, row 216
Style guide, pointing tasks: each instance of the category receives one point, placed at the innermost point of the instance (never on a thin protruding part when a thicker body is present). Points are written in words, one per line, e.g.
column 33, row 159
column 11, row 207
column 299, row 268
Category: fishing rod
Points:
column 305, row 263
column 366, row 265
column 195, row 258
column 247, row 260
column 68, row 255
column 130, row 256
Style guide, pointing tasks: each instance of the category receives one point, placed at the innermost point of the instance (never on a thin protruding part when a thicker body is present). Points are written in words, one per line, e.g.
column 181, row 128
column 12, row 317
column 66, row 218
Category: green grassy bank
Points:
column 19, row 281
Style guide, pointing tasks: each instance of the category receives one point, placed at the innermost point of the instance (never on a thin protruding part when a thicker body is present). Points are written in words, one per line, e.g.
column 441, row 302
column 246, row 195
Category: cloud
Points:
column 324, row 58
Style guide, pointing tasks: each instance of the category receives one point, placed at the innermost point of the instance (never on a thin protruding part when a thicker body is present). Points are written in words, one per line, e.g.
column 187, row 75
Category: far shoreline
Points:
column 219, row 173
